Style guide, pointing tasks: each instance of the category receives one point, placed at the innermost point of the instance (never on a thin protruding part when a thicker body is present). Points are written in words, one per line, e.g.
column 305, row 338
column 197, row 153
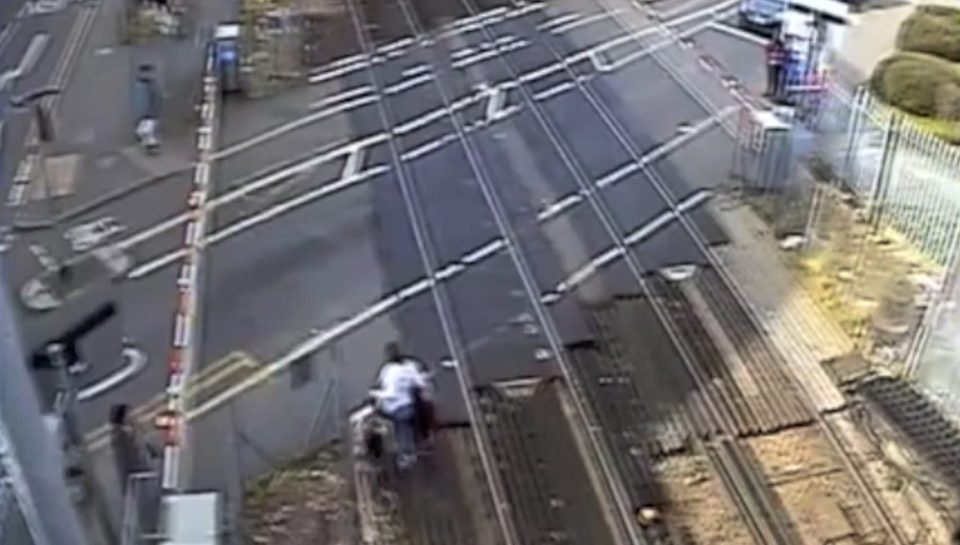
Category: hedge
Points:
column 934, row 30
column 918, row 84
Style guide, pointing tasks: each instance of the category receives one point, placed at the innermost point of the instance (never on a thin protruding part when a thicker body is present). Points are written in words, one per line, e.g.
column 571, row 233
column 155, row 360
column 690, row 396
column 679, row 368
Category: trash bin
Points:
column 227, row 54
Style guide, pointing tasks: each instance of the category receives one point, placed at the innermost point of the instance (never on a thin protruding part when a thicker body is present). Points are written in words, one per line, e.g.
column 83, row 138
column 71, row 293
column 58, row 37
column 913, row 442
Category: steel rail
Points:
column 772, row 532
column 877, row 505
column 598, row 453
column 438, row 291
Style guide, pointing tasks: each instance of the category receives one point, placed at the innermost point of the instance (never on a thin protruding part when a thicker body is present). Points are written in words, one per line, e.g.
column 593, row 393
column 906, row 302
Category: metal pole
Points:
column 77, row 454
column 40, row 487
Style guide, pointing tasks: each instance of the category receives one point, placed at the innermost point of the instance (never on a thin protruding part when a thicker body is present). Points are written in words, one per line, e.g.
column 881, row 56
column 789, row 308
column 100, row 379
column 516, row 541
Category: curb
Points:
column 115, row 195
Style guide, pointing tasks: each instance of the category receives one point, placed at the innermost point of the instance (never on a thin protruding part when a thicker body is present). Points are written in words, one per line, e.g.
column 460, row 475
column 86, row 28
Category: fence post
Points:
column 881, row 187
column 853, row 128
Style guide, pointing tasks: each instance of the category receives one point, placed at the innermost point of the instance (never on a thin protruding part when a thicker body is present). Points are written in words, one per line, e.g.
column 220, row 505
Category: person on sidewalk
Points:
column 399, row 380
column 776, row 55
column 131, row 455
column 146, row 106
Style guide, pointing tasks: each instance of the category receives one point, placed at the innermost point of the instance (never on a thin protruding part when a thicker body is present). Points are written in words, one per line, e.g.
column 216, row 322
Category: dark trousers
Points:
column 774, row 79
column 425, row 415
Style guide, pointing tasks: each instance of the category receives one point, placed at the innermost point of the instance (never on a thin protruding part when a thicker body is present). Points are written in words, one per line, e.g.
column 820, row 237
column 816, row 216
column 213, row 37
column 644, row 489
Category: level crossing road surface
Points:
column 462, row 174
column 456, row 175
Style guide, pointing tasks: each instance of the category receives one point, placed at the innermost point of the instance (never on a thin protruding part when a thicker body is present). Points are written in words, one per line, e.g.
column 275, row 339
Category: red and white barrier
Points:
column 186, row 322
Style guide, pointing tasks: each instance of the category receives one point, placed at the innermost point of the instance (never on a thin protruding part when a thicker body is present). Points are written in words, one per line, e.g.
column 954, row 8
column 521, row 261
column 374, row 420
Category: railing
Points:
column 142, row 510
column 13, row 528
column 904, row 175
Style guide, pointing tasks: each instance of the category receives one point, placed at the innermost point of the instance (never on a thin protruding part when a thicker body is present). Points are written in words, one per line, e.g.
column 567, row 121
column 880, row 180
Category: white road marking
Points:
column 408, row 84
column 448, row 271
column 45, row 258
column 295, row 202
column 495, row 102
column 666, row 217
column 611, row 254
column 558, row 20
column 339, row 97
column 560, row 206
column 393, row 46
column 416, row 70
column 587, row 54
column 461, row 53
column 421, row 121
column 324, row 337
column 255, row 185
column 354, row 163
column 235, row 228
column 354, row 63
column 338, row 72
column 483, row 252
column 490, row 53
column 608, row 257
column 293, row 125
column 583, row 21
column 418, row 122
column 738, row 33
column 470, row 19
column 551, row 211
column 429, row 147
column 666, row 147
column 551, row 92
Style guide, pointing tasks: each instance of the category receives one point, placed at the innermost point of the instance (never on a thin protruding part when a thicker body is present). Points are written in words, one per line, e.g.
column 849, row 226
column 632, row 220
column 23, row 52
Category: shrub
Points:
column 910, row 81
column 934, row 30
column 947, row 102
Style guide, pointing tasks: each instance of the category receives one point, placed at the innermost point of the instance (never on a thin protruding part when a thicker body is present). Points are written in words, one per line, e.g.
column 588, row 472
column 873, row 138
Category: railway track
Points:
column 720, row 411
column 539, row 464
column 740, row 321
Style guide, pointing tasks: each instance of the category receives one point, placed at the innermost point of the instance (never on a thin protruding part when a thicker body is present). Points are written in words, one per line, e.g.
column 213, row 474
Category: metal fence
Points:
column 869, row 199
column 881, row 200
column 142, row 510
column 906, row 177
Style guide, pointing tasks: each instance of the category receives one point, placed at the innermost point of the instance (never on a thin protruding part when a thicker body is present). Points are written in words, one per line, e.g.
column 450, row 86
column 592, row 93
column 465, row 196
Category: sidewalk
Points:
column 95, row 153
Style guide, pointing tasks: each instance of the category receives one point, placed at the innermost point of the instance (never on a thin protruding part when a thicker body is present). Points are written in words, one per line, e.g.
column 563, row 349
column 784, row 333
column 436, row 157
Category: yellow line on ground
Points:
column 211, row 375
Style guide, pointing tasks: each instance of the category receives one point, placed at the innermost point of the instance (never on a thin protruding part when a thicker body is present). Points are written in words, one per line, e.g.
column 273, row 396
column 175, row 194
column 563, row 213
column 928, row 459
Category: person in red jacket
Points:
column 776, row 54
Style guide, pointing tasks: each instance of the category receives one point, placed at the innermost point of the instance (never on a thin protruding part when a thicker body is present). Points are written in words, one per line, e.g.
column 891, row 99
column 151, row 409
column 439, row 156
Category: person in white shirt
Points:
column 397, row 384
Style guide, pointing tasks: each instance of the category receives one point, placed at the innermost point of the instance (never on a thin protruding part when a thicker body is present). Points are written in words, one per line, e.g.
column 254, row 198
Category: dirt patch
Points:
column 870, row 281
column 307, row 502
column 698, row 505
column 812, row 484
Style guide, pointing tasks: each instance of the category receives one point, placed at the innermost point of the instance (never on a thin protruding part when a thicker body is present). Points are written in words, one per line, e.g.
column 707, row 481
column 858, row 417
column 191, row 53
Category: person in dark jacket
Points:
column 146, row 105
column 129, row 452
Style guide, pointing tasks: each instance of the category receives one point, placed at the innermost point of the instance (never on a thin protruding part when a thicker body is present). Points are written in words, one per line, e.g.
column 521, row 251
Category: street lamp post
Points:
column 39, row 485
column 46, row 134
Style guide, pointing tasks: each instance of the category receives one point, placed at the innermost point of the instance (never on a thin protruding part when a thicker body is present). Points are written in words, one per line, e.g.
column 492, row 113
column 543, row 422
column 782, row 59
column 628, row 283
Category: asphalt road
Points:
column 483, row 190
column 475, row 157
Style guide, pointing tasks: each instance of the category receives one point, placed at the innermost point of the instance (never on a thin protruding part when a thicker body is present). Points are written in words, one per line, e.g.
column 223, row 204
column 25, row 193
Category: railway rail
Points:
column 745, row 481
column 721, row 407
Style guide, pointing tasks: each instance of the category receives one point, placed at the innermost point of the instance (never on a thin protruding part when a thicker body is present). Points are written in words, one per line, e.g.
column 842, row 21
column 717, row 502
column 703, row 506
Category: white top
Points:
column 397, row 381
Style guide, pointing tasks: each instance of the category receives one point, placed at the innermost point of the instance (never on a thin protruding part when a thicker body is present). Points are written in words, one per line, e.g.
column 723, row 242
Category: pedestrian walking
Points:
column 398, row 384
column 146, row 106
column 776, row 55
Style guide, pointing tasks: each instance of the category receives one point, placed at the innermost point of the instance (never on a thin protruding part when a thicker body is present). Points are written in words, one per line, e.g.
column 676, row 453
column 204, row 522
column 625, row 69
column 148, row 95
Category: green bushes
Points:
column 918, row 84
column 934, row 30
